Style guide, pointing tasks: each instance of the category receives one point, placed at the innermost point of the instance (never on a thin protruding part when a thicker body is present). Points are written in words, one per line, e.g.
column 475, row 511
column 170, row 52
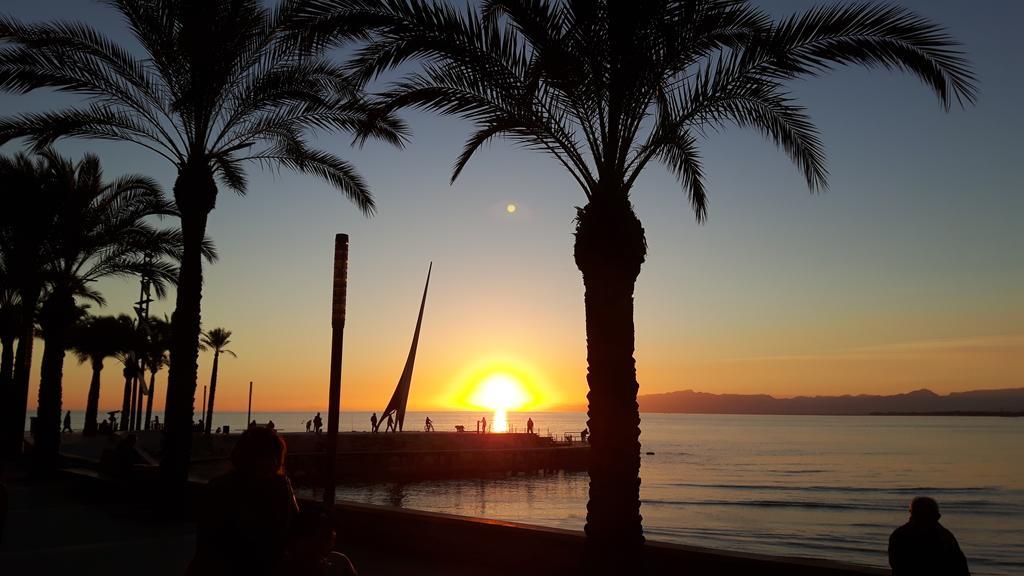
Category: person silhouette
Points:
column 318, row 423
column 156, row 422
column 923, row 547
column 245, row 514
column 373, row 422
column 529, row 425
column 67, row 423
column 483, row 424
column 391, row 424
column 270, row 424
column 428, row 425
column 309, row 425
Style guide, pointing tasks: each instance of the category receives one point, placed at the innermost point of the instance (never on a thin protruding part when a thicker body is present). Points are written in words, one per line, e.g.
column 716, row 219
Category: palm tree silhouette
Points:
column 93, row 340
column 220, row 86
column 10, row 321
column 217, row 340
column 22, row 236
column 605, row 88
column 156, row 358
column 101, row 230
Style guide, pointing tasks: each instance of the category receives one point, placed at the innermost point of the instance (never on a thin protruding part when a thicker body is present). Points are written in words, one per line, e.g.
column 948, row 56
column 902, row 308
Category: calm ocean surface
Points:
column 822, row 486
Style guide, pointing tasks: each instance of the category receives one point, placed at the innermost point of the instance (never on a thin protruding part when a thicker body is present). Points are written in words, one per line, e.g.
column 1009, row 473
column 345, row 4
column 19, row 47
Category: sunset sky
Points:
column 907, row 273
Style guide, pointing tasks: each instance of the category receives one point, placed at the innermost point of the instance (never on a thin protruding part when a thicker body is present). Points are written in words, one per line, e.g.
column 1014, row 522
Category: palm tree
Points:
column 10, row 307
column 156, row 358
column 605, row 88
column 219, row 86
column 94, row 340
column 22, row 235
column 217, row 340
column 101, row 231
column 130, row 361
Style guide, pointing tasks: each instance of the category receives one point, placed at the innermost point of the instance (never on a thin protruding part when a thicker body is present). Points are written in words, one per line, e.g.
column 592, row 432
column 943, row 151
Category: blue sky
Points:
column 907, row 273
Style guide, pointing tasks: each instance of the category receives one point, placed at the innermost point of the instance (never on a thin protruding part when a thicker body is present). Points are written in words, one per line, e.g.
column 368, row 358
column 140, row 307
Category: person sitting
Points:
column 245, row 514
column 310, row 550
column 922, row 546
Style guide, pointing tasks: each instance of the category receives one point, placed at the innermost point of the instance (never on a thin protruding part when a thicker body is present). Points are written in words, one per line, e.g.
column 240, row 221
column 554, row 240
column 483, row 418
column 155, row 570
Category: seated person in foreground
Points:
column 310, row 550
column 924, row 547
column 246, row 514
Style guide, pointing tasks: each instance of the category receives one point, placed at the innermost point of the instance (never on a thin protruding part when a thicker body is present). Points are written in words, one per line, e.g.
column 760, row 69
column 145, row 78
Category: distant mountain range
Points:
column 918, row 401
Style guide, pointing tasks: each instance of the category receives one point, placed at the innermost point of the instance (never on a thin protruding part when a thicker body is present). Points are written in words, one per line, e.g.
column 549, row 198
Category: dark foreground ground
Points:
column 81, row 523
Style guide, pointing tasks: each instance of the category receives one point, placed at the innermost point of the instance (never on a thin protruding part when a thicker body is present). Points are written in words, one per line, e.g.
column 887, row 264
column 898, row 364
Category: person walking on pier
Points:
column 67, row 423
column 373, row 422
column 391, row 424
column 922, row 546
column 529, row 425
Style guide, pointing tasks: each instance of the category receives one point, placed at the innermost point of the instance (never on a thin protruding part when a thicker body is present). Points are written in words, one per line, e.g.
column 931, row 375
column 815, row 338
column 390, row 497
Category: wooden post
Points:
column 248, row 416
column 337, row 339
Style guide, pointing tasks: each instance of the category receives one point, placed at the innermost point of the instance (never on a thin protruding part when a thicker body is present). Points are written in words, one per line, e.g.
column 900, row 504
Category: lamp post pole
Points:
column 337, row 339
column 248, row 416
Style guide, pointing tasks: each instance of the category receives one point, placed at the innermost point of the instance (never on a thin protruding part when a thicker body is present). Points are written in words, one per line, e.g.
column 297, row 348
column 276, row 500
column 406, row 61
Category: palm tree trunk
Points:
column 7, row 369
column 195, row 193
column 6, row 365
column 17, row 402
column 92, row 405
column 126, row 400
column 140, row 377
column 213, row 392
column 56, row 317
column 610, row 248
column 149, row 399
column 134, row 402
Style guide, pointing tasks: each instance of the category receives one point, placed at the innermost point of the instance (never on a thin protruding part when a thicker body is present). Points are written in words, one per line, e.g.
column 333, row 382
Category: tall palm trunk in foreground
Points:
column 609, row 250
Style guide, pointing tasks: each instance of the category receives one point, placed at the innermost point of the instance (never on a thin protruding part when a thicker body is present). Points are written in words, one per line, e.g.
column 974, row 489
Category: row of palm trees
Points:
column 71, row 229
column 604, row 87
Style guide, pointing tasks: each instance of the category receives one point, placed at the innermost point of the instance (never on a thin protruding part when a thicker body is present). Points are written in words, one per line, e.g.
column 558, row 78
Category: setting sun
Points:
column 500, row 392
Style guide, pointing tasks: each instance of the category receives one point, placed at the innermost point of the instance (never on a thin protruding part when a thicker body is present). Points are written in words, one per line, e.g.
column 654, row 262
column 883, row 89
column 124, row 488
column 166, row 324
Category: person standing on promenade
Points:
column 373, row 422
column 67, row 423
column 529, row 425
column 246, row 514
column 391, row 424
column 318, row 423
column 483, row 424
column 309, row 425
column 923, row 547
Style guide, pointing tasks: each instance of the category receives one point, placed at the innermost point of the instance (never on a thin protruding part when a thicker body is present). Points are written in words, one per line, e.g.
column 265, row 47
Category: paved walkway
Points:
column 53, row 528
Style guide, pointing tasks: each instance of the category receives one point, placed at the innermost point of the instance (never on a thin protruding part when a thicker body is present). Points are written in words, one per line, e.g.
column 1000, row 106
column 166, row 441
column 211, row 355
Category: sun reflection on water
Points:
column 500, row 422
